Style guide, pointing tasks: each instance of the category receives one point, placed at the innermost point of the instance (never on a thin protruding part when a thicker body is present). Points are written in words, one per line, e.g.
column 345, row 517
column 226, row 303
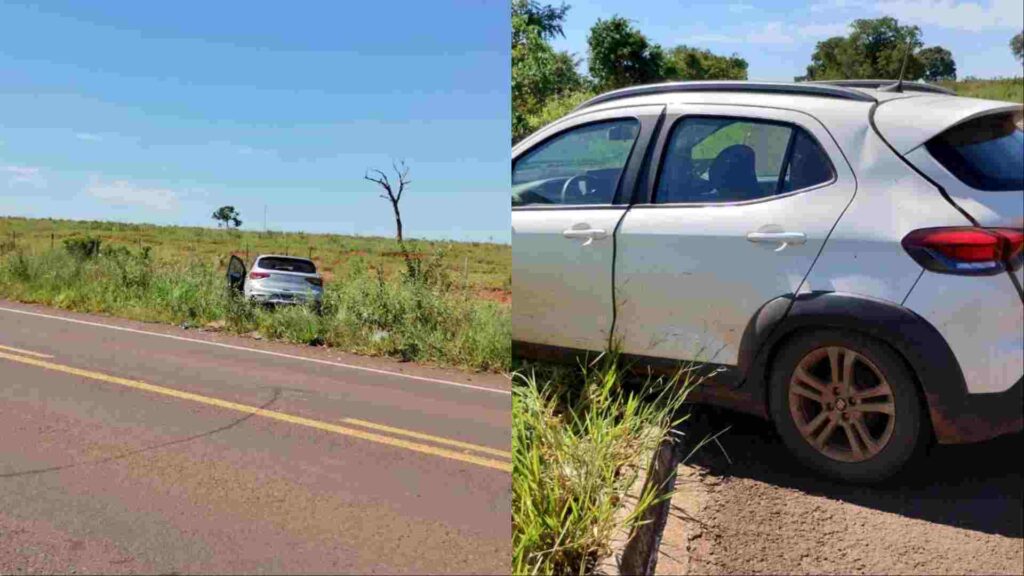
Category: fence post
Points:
column 310, row 252
column 51, row 241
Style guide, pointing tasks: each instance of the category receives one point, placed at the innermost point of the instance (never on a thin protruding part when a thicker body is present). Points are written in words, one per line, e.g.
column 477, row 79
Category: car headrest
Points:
column 732, row 173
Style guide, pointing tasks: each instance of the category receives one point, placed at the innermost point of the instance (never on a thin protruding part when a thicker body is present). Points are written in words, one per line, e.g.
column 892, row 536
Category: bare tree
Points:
column 393, row 190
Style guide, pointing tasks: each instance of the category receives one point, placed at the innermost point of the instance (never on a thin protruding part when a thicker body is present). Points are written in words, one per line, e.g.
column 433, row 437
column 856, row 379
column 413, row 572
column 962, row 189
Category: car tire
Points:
column 865, row 425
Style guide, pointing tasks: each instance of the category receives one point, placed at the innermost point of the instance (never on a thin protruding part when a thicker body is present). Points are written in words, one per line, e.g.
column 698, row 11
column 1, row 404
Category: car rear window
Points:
column 280, row 264
column 986, row 153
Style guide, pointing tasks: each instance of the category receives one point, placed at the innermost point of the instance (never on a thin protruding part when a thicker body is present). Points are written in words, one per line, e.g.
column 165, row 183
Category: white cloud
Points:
column 819, row 31
column 89, row 137
column 836, row 5
column 739, row 8
column 24, row 175
column 776, row 33
column 712, row 39
column 124, row 193
column 970, row 16
column 771, row 33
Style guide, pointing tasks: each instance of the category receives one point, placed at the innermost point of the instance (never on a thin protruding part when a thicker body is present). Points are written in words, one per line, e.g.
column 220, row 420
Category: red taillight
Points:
column 966, row 251
column 315, row 281
column 258, row 275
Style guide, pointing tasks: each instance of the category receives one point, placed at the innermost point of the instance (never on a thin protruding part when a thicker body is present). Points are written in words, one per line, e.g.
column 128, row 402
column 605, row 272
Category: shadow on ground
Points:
column 974, row 486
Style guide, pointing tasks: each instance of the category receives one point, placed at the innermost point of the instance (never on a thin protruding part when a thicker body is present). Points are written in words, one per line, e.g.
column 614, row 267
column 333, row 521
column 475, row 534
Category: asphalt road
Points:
column 131, row 448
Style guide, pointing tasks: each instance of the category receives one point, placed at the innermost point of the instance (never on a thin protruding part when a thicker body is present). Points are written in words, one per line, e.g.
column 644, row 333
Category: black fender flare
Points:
column 914, row 338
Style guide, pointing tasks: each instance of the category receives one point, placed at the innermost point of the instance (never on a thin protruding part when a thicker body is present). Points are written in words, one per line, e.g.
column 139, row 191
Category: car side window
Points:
column 718, row 159
column 808, row 164
column 578, row 167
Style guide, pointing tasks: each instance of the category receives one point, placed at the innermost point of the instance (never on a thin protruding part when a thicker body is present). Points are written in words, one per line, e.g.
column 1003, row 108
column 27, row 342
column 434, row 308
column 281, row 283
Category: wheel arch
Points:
column 921, row 347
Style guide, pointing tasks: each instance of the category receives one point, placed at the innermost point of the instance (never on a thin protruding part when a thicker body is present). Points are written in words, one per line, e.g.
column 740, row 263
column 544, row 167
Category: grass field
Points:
column 484, row 268
column 456, row 311
column 1008, row 89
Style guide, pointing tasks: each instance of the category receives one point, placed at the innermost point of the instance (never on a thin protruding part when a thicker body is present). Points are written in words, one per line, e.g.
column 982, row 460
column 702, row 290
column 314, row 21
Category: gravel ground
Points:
column 957, row 510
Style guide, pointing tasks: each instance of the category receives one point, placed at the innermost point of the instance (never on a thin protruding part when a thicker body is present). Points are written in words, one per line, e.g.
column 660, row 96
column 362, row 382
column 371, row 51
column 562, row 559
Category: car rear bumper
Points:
column 271, row 297
column 965, row 418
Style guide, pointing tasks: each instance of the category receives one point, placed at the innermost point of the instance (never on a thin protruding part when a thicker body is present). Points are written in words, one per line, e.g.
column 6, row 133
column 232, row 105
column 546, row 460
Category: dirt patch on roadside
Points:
column 495, row 295
column 958, row 510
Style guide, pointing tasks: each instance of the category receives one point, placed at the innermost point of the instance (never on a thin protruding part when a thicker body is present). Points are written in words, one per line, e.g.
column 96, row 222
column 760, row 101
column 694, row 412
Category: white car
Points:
column 847, row 254
column 275, row 279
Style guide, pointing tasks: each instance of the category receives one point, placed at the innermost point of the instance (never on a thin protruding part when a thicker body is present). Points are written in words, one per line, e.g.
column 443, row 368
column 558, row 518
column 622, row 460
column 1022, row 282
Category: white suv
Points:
column 847, row 255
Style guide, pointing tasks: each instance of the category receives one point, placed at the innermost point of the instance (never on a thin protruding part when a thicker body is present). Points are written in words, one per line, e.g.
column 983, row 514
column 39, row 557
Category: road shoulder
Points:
column 317, row 353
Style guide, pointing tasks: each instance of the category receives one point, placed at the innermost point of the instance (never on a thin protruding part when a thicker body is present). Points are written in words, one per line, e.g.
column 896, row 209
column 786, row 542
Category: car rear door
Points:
column 568, row 185
column 714, row 239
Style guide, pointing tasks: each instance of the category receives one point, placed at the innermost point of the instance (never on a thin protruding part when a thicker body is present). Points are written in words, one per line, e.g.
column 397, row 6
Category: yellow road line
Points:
column 271, row 414
column 428, row 437
column 28, row 352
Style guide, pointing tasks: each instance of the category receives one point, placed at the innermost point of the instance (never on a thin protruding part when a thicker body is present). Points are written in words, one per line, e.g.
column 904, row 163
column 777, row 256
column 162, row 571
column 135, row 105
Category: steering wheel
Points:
column 573, row 178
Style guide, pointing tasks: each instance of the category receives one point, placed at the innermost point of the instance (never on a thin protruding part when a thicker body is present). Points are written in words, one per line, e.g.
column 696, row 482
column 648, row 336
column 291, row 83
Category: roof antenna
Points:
column 898, row 86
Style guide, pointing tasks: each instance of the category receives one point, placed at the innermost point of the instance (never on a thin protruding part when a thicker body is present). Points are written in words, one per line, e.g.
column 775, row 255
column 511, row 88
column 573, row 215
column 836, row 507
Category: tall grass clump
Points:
column 415, row 315
column 580, row 440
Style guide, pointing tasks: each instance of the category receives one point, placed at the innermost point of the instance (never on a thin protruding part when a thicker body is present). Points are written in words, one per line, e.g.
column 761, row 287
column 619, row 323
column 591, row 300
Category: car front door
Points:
column 740, row 202
column 568, row 187
column 236, row 274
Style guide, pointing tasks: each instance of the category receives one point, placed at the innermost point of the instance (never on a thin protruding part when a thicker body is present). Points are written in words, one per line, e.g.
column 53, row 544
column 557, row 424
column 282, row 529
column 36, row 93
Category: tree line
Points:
column 547, row 84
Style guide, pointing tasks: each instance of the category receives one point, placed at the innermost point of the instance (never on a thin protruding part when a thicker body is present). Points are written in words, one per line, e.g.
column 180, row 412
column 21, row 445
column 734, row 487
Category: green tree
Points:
column 227, row 216
column 1017, row 46
column 937, row 63
column 689, row 63
column 620, row 55
column 873, row 49
column 539, row 72
column 530, row 15
column 826, row 61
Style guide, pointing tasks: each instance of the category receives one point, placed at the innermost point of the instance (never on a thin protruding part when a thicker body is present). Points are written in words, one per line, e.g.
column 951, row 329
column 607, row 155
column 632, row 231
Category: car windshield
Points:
column 281, row 264
column 986, row 153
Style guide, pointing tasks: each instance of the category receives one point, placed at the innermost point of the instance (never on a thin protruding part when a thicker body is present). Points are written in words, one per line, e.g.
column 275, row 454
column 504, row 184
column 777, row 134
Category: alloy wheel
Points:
column 842, row 404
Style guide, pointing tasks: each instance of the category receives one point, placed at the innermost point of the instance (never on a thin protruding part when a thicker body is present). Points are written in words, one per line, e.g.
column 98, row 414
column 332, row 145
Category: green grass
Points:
column 370, row 305
column 484, row 267
column 580, row 440
column 1008, row 89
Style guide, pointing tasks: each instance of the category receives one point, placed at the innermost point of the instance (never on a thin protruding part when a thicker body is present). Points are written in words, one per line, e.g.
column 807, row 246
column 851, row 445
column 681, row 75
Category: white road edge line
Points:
column 258, row 351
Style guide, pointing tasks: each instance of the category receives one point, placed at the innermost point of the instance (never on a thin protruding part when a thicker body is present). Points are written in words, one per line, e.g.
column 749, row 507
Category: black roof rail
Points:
column 877, row 84
column 792, row 88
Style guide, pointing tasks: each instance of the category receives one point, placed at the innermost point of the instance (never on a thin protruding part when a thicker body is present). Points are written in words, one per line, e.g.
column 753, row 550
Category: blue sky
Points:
column 777, row 38
column 162, row 111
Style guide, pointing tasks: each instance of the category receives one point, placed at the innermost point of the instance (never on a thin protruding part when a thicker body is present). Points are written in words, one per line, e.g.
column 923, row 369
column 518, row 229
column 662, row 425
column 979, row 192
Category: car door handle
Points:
column 584, row 233
column 589, row 233
column 782, row 238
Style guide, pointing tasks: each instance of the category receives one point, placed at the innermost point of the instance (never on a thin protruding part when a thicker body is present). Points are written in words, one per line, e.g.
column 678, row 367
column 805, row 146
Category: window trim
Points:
column 666, row 140
column 618, row 181
column 625, row 165
column 646, row 114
